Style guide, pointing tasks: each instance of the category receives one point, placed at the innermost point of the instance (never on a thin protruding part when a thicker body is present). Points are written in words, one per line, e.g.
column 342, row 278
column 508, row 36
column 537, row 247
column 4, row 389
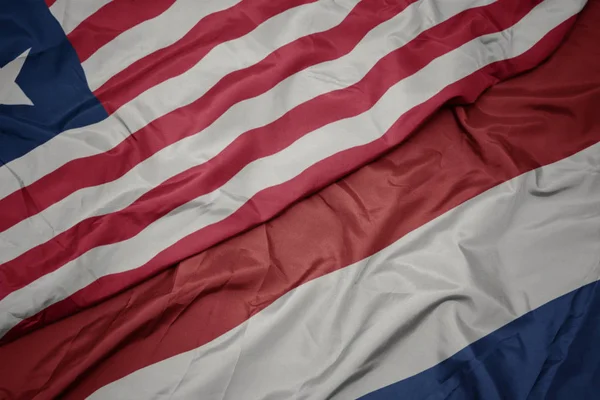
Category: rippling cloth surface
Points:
column 157, row 241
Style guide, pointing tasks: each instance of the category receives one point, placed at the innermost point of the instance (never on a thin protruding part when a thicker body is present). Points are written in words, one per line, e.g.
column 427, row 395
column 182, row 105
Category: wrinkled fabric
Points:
column 516, row 126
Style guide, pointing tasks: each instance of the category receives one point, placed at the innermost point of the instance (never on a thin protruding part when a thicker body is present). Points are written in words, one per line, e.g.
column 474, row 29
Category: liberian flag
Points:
column 296, row 199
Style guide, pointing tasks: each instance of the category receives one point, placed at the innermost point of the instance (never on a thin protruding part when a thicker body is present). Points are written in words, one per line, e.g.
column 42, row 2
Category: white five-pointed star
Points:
column 10, row 92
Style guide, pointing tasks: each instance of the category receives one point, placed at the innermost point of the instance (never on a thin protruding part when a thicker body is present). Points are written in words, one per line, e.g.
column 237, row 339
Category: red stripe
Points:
column 110, row 21
column 309, row 116
column 174, row 60
column 50, row 2
column 508, row 131
column 189, row 120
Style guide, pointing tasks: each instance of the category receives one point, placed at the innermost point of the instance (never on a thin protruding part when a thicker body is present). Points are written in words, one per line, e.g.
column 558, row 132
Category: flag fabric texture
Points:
column 177, row 219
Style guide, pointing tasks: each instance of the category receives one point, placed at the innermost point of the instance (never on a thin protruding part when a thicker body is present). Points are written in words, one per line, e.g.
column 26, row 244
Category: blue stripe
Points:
column 552, row 352
column 52, row 78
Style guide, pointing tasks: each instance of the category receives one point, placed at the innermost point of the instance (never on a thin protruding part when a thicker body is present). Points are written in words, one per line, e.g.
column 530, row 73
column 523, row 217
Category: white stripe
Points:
column 242, row 117
column 285, row 165
column 148, row 37
column 71, row 13
column 173, row 93
column 410, row 306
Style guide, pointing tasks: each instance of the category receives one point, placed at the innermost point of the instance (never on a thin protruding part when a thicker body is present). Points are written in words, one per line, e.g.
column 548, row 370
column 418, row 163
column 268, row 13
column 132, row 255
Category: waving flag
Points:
column 134, row 137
